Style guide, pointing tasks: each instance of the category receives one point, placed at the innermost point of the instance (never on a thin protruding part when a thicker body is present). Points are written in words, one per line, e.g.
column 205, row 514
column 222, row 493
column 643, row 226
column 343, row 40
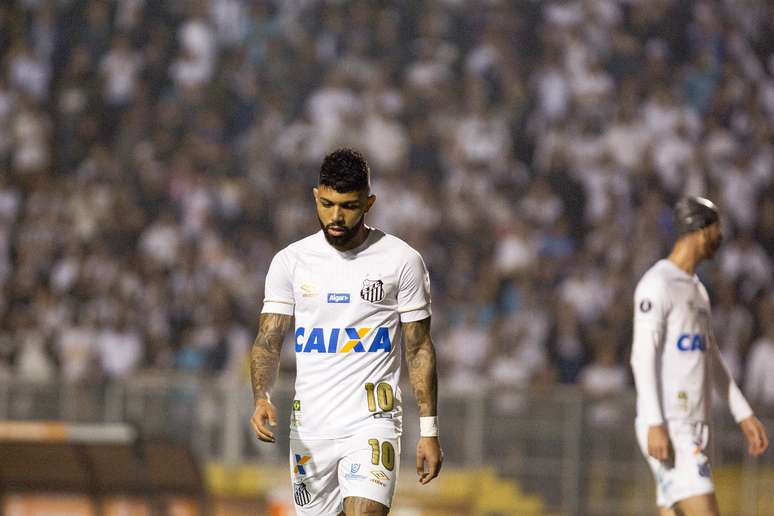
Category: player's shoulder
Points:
column 391, row 241
column 656, row 277
column 395, row 245
column 315, row 241
column 662, row 270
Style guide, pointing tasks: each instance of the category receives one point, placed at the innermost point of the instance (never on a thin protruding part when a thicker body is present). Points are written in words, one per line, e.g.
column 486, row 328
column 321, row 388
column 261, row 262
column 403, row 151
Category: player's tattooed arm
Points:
column 265, row 353
column 420, row 358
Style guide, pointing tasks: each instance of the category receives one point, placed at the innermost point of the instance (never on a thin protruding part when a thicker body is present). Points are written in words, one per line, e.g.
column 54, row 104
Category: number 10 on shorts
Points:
column 386, row 451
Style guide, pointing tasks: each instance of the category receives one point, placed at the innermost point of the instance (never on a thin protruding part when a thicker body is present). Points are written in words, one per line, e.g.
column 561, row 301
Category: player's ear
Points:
column 316, row 194
column 370, row 202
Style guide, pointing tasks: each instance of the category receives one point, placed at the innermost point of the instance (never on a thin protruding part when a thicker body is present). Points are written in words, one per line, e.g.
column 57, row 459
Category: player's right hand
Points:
column 755, row 433
column 264, row 412
column 659, row 445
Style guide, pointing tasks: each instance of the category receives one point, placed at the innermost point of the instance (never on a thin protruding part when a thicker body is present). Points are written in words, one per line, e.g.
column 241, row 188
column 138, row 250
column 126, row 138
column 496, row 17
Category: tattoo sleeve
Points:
column 420, row 358
column 265, row 353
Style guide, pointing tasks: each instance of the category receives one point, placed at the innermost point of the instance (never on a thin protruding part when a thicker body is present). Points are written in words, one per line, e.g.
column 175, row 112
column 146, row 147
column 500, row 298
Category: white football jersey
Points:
column 347, row 308
column 674, row 354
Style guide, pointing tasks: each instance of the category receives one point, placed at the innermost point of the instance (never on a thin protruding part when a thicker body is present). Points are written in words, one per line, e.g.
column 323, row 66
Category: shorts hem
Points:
column 690, row 494
column 386, row 503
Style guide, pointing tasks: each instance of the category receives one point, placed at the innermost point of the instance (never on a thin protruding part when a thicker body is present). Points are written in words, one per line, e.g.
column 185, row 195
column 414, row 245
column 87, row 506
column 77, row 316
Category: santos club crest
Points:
column 372, row 291
column 301, row 494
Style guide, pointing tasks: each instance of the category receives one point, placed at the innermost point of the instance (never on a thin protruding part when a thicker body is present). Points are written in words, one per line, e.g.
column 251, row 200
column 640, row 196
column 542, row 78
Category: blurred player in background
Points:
column 350, row 288
column 674, row 359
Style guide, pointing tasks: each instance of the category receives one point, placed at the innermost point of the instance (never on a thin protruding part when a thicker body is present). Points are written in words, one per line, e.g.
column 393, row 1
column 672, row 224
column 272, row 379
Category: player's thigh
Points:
column 357, row 506
column 660, row 473
column 701, row 505
column 692, row 486
column 689, row 476
column 314, row 474
column 369, row 469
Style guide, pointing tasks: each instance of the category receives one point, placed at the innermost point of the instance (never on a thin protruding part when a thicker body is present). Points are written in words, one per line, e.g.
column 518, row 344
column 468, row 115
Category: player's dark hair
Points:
column 694, row 213
column 345, row 170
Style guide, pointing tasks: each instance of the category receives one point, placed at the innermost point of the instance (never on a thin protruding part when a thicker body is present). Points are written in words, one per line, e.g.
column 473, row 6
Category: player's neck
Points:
column 685, row 257
column 356, row 241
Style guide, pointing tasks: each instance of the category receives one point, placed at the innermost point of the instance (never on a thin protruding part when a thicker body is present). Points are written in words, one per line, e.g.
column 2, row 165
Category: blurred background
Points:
column 155, row 155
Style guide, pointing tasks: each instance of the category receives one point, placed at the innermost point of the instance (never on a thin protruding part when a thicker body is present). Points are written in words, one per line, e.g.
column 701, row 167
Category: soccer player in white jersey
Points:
column 675, row 359
column 350, row 289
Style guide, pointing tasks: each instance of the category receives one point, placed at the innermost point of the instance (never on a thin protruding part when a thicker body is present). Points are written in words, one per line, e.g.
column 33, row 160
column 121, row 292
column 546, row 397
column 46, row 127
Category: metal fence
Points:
column 579, row 455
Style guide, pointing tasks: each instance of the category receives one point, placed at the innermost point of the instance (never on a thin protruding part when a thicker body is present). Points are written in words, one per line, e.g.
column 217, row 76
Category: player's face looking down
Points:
column 342, row 215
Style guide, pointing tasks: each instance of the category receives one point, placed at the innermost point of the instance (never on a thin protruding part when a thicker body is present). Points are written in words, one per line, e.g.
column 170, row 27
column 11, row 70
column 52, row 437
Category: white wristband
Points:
column 428, row 426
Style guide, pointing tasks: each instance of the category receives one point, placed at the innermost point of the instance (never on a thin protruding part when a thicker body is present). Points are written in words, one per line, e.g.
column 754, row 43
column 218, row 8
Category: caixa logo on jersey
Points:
column 342, row 340
column 690, row 342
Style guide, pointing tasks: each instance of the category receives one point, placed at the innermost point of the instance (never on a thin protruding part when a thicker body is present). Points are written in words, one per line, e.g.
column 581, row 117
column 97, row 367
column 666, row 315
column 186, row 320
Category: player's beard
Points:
column 344, row 239
column 712, row 245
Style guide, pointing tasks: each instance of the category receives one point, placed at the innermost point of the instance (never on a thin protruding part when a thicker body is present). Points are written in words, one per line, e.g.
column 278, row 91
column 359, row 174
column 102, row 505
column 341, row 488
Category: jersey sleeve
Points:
column 414, row 290
column 651, row 308
column 278, row 294
column 726, row 386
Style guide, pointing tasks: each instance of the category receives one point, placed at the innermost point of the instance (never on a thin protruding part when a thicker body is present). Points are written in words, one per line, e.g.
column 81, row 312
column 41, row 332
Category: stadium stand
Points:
column 155, row 155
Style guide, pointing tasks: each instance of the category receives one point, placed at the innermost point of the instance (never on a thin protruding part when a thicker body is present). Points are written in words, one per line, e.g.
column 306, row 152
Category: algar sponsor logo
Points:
column 343, row 340
column 338, row 298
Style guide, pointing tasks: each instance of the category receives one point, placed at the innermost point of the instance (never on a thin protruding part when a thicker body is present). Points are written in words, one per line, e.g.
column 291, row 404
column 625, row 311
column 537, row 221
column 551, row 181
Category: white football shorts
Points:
column 325, row 471
column 690, row 475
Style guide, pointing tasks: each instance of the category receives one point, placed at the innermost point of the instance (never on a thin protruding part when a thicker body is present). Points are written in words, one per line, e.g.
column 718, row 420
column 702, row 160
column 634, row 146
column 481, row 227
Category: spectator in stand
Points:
column 602, row 380
column 759, row 382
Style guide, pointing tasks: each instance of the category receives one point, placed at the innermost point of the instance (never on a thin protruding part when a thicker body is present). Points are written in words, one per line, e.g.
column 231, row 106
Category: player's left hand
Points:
column 428, row 453
column 755, row 433
column 265, row 412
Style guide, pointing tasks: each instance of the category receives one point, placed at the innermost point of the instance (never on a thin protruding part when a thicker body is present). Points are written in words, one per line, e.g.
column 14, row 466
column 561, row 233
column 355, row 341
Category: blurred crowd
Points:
column 155, row 155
